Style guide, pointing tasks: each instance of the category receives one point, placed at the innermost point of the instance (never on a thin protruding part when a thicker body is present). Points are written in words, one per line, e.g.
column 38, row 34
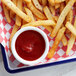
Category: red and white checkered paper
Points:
column 5, row 31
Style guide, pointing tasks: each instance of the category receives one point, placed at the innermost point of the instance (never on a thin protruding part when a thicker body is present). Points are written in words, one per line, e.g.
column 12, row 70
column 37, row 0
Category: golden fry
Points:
column 62, row 17
column 27, row 1
column 56, row 42
column 29, row 13
column 18, row 19
column 36, row 12
column 6, row 12
column 61, row 7
column 11, row 12
column 59, row 1
column 41, row 23
column 44, row 2
column 64, row 40
column 57, row 6
column 52, row 2
column 15, row 9
column 47, row 13
column 37, row 5
column 52, row 9
column 71, row 28
column 71, row 40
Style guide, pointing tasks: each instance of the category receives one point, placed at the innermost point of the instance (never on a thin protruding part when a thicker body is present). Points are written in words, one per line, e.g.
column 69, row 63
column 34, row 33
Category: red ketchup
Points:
column 30, row 45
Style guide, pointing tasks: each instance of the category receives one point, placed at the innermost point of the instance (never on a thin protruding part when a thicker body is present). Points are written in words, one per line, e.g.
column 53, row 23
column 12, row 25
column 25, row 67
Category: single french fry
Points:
column 62, row 17
column 52, row 9
column 36, row 12
column 70, row 16
column 37, row 5
column 59, row 1
column 71, row 40
column 15, row 29
column 40, row 23
column 11, row 12
column 29, row 13
column 52, row 2
column 48, row 13
column 57, row 6
column 18, row 19
column 56, row 42
column 28, row 1
column 6, row 12
column 64, row 40
column 15, row 9
column 44, row 2
column 71, row 28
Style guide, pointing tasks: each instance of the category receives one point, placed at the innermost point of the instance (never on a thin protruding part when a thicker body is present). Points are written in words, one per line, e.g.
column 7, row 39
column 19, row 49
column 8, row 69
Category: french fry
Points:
column 56, row 18
column 71, row 28
column 27, row 1
column 56, row 42
column 18, row 19
column 69, row 18
column 49, row 17
column 71, row 41
column 52, row 2
column 36, row 12
column 59, row 1
column 48, row 13
column 29, row 13
column 57, row 6
column 15, row 29
column 64, row 40
column 61, row 7
column 6, row 12
column 62, row 17
column 11, row 12
column 15, row 9
column 40, row 23
column 37, row 5
column 44, row 2
column 52, row 9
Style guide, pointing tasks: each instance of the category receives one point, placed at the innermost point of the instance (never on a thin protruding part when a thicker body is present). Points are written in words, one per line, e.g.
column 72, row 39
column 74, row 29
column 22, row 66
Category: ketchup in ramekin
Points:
column 30, row 45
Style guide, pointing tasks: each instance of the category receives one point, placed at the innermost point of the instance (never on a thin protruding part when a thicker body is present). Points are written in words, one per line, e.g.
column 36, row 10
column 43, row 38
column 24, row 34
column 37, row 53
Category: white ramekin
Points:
column 25, row 61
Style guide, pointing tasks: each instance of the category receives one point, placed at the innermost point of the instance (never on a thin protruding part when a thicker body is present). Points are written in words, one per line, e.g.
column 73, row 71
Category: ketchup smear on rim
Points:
column 30, row 45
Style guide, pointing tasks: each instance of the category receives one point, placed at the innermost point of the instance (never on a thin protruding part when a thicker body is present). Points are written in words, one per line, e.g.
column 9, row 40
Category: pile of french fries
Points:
column 55, row 15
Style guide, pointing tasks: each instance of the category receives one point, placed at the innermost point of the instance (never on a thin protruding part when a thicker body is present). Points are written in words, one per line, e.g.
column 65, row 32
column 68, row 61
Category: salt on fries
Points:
column 62, row 17
column 56, row 42
column 43, row 13
column 15, row 9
